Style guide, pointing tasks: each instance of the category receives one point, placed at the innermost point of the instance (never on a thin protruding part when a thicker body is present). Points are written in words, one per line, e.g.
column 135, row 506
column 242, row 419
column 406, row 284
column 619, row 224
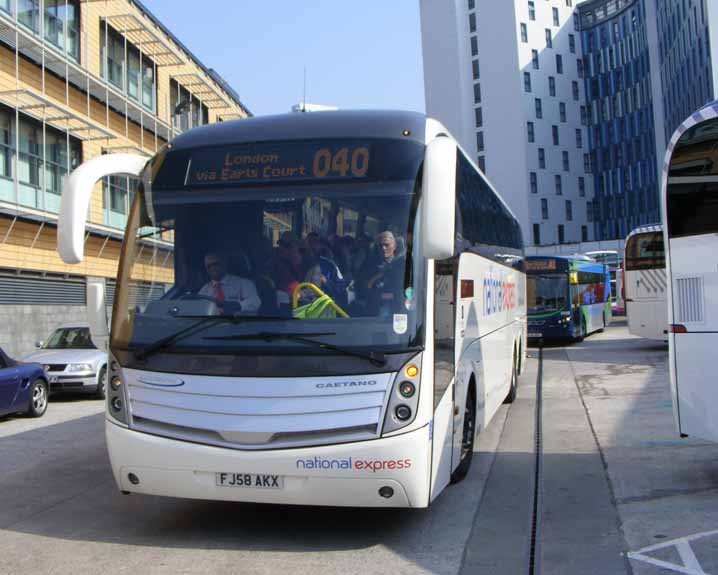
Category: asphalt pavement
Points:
column 618, row 492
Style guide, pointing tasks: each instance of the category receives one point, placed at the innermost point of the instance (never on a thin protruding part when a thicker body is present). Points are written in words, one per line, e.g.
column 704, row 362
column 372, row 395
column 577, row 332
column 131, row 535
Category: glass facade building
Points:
column 621, row 135
column 685, row 59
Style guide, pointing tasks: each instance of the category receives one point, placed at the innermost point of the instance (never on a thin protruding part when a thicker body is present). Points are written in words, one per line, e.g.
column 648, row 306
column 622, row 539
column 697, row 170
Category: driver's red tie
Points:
column 218, row 293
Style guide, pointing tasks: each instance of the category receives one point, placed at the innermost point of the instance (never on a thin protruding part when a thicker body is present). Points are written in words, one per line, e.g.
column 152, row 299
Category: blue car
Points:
column 23, row 387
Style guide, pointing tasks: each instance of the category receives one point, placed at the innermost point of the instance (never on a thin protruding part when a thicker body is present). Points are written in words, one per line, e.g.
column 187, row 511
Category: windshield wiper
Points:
column 202, row 323
column 377, row 358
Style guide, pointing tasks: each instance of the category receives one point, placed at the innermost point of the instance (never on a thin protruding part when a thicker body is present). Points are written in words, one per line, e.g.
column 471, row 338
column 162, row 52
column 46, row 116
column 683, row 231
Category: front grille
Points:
column 56, row 366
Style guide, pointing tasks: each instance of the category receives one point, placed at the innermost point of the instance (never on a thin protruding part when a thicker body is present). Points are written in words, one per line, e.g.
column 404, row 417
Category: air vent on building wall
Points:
column 29, row 290
column 689, row 300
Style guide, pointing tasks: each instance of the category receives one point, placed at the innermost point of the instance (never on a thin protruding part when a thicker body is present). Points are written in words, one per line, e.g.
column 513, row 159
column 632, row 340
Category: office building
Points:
column 78, row 79
column 506, row 79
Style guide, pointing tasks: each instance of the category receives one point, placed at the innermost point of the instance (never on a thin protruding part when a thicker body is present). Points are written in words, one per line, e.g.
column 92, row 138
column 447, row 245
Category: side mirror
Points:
column 438, row 219
column 76, row 194
column 39, row 343
column 97, row 312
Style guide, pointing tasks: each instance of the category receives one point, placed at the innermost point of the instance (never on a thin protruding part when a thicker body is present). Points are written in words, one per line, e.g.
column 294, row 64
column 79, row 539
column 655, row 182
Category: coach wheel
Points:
column 513, row 390
column 467, row 438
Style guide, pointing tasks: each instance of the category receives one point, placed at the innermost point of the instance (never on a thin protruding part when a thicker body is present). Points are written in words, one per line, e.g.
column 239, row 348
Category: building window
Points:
column 581, row 187
column 527, row 82
column 538, row 107
column 475, row 69
column 579, row 67
column 584, row 116
column 584, row 233
column 542, row 158
column 474, row 46
column 479, row 141
column 532, row 10
column 535, row 59
column 187, row 111
column 544, row 209
column 579, row 138
column 572, row 43
column 589, row 211
column 574, row 87
column 569, row 3
column 569, row 211
column 534, row 182
column 549, row 40
column 587, row 163
column 554, row 133
column 471, row 4
column 472, row 23
column 566, row 165
column 559, row 64
column 479, row 117
column 562, row 111
column 524, row 33
column 555, row 16
column 530, row 131
column 482, row 163
column 62, row 25
column 561, row 238
column 552, row 86
column 136, row 77
column 558, row 185
column 118, row 192
column 537, row 234
column 6, row 147
column 477, row 93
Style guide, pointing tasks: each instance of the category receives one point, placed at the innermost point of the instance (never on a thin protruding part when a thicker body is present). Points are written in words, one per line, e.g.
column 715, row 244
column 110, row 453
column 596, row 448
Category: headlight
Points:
column 79, row 367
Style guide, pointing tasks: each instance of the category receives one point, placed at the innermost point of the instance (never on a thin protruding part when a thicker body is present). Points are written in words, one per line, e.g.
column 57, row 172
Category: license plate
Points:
column 255, row 481
column 534, row 335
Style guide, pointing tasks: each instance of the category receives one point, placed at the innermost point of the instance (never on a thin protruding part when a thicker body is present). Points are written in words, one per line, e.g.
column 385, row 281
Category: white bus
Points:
column 690, row 227
column 320, row 309
column 644, row 283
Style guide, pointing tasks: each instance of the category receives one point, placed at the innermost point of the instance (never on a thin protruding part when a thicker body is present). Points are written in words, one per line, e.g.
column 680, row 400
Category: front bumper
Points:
column 349, row 474
column 71, row 382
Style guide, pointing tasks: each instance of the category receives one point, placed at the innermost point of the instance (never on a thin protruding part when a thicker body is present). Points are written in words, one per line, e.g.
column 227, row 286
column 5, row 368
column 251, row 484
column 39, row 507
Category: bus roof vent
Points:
column 689, row 308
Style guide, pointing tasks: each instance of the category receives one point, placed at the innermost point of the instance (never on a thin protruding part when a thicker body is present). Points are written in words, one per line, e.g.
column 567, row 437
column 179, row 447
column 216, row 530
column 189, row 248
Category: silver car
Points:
column 71, row 361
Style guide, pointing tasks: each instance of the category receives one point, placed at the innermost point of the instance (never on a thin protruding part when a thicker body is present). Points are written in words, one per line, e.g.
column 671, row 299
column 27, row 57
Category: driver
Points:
column 232, row 294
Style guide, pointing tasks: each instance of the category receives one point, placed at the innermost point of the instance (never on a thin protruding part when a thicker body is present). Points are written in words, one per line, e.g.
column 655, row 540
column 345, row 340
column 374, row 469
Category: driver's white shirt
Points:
column 235, row 288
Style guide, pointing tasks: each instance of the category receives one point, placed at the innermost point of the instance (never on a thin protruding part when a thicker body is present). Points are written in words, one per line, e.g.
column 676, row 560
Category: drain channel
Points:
column 534, row 548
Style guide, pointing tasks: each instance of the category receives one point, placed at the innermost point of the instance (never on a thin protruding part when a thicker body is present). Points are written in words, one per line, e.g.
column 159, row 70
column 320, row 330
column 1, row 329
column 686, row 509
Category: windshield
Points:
column 645, row 251
column 331, row 254
column 546, row 292
column 70, row 338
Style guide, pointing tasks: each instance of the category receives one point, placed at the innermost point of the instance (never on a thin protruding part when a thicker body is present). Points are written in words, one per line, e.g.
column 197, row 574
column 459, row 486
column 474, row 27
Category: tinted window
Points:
column 692, row 209
column 645, row 251
column 484, row 224
column 696, row 153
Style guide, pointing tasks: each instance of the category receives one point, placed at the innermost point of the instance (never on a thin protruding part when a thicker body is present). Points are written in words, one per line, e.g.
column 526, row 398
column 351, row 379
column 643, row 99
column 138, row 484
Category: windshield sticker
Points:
column 401, row 323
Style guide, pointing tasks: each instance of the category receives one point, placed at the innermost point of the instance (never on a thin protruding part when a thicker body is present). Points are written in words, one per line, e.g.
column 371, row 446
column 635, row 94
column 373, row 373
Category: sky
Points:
column 357, row 54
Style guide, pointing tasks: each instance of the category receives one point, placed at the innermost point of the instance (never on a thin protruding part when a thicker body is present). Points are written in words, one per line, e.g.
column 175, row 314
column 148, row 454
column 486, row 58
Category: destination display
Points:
column 541, row 265
column 280, row 162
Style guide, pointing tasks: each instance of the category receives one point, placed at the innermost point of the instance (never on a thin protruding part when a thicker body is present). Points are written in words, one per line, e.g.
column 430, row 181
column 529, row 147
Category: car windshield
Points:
column 70, row 338
column 546, row 292
column 335, row 256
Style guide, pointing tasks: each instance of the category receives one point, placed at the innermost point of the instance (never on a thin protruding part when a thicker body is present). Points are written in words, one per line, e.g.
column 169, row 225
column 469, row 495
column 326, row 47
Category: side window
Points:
column 484, row 224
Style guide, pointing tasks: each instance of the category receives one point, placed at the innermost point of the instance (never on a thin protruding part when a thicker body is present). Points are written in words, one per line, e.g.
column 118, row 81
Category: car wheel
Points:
column 101, row 383
column 38, row 398
column 467, row 439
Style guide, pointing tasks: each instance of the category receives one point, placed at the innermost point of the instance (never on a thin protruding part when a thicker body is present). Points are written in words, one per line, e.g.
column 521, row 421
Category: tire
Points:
column 467, row 438
column 101, row 383
column 513, row 390
column 38, row 398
